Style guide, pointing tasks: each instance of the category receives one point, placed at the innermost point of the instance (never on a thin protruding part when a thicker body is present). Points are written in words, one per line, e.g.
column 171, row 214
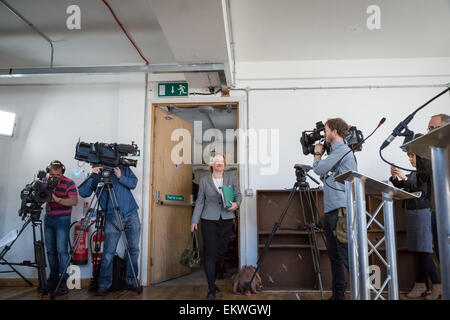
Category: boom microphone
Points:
column 403, row 125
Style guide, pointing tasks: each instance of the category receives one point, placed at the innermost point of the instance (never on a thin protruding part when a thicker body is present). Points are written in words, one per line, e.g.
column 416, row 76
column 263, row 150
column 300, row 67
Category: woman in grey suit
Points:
column 217, row 220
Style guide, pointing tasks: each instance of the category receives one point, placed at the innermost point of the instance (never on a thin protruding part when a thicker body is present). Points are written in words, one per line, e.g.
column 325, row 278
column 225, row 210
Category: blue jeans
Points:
column 56, row 234
column 132, row 228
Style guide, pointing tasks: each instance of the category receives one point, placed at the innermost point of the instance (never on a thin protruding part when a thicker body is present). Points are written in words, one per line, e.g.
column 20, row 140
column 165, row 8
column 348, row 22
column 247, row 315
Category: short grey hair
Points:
column 445, row 118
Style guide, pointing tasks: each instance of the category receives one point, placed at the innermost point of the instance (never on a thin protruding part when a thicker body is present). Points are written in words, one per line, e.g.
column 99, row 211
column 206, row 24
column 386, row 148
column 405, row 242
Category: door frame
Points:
column 152, row 158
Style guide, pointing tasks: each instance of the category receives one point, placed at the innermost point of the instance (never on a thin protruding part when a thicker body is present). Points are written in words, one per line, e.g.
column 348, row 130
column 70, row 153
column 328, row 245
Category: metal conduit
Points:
column 15, row 12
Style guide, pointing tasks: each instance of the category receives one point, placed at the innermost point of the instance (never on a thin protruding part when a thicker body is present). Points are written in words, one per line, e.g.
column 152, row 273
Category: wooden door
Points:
column 170, row 225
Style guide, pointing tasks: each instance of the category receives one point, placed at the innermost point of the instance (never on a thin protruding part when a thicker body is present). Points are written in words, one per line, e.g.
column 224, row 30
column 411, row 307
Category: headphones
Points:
column 56, row 163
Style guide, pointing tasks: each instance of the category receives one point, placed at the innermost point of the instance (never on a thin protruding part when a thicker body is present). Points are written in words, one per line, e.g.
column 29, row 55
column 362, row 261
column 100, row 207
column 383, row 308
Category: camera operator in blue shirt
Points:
column 334, row 197
column 123, row 181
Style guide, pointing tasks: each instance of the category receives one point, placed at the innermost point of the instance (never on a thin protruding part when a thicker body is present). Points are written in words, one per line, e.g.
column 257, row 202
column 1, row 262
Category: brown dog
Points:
column 240, row 280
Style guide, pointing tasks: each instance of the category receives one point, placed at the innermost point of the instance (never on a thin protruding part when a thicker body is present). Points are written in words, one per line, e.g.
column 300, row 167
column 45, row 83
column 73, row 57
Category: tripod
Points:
column 96, row 236
column 104, row 186
column 39, row 250
column 299, row 185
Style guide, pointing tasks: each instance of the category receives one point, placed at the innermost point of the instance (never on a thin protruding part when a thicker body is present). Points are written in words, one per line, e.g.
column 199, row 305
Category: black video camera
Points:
column 353, row 138
column 106, row 154
column 308, row 139
column 35, row 194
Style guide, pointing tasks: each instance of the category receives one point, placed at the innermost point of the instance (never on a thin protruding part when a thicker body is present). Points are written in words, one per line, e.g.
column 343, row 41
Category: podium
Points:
column 357, row 186
column 435, row 145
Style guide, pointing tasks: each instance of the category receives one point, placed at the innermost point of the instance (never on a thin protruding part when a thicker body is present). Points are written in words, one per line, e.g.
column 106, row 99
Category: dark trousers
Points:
column 216, row 236
column 426, row 267
column 435, row 234
column 337, row 253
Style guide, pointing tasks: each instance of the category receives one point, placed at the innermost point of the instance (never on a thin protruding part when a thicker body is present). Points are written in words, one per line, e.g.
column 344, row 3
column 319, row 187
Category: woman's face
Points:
column 218, row 163
column 412, row 159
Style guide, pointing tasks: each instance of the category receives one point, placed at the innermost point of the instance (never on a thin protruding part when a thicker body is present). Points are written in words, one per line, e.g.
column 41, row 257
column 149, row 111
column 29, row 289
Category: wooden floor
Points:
column 190, row 287
column 163, row 293
column 157, row 293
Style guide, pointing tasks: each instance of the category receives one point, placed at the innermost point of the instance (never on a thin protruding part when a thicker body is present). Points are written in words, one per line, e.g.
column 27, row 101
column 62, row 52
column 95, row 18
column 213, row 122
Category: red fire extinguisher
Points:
column 80, row 256
column 98, row 239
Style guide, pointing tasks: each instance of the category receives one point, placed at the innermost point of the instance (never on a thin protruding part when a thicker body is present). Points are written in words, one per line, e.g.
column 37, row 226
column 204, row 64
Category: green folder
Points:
column 228, row 195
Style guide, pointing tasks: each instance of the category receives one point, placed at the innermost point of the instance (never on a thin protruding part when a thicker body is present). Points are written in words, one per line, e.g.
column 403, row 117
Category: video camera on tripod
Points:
column 35, row 194
column 106, row 154
column 309, row 137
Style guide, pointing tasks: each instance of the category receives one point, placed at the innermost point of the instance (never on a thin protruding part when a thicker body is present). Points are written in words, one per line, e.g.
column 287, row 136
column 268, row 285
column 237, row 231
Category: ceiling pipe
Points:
column 232, row 43
column 15, row 12
column 125, row 31
column 170, row 68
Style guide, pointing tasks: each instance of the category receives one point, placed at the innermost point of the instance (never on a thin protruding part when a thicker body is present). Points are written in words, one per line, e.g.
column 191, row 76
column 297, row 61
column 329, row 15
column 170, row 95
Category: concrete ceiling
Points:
column 196, row 31
column 167, row 32
column 221, row 117
column 100, row 41
column 277, row 30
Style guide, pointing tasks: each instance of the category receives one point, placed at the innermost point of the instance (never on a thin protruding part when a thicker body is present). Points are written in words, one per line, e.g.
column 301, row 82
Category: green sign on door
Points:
column 174, row 197
column 173, row 89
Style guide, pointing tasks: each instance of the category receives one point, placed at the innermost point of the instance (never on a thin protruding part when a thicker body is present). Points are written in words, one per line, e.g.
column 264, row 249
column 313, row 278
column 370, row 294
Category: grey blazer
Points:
column 209, row 204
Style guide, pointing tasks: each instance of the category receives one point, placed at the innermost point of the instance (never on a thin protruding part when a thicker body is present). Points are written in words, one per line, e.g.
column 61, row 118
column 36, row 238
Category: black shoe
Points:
column 211, row 295
column 52, row 283
column 337, row 296
column 62, row 290
column 218, row 292
column 131, row 287
column 101, row 292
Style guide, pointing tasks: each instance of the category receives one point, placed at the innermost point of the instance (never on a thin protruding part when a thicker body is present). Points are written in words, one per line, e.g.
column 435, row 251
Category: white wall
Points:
column 50, row 120
column 117, row 112
column 293, row 111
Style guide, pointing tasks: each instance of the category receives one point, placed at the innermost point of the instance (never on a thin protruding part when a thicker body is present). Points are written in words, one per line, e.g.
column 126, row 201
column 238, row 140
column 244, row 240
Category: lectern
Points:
column 357, row 186
column 435, row 145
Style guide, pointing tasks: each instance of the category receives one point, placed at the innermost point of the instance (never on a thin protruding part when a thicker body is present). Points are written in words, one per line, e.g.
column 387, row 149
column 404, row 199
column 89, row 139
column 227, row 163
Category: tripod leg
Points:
column 39, row 253
column 124, row 237
column 312, row 238
column 8, row 247
column 84, row 226
column 276, row 226
column 96, row 260
column 314, row 212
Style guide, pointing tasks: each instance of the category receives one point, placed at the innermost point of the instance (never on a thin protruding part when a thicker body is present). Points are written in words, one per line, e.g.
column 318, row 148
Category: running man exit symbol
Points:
column 173, row 90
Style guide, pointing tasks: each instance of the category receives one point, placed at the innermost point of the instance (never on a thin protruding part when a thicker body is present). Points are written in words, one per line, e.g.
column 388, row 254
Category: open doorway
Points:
column 183, row 138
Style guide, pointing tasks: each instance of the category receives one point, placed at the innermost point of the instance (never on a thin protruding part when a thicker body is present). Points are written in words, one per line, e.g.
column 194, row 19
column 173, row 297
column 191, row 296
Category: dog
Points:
column 242, row 278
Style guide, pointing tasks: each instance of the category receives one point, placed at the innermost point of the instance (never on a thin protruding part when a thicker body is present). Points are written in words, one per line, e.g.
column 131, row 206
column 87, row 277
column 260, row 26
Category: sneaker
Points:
column 101, row 292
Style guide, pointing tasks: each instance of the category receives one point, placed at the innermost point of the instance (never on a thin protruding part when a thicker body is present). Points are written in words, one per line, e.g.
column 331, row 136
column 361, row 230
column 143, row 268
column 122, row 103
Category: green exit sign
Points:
column 179, row 89
column 174, row 197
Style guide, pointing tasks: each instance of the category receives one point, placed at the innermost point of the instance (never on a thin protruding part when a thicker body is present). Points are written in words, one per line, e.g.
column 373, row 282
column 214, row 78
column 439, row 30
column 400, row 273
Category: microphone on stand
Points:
column 402, row 126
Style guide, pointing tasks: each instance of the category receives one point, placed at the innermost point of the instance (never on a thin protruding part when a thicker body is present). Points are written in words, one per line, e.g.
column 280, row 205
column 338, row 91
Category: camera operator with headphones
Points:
column 334, row 198
column 123, row 181
column 57, row 225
